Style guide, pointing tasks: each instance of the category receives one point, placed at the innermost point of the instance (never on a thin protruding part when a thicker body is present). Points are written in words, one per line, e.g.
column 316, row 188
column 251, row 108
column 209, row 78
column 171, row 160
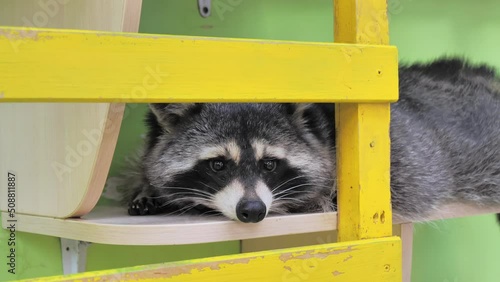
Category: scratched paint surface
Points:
column 364, row 174
column 110, row 67
column 367, row 260
column 363, row 142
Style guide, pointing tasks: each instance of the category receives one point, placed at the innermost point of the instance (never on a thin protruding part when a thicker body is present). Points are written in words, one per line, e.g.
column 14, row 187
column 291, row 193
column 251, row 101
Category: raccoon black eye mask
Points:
column 248, row 160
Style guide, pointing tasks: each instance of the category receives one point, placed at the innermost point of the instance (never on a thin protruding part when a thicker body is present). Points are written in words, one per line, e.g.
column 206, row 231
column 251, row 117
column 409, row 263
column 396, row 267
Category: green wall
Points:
column 447, row 251
column 466, row 249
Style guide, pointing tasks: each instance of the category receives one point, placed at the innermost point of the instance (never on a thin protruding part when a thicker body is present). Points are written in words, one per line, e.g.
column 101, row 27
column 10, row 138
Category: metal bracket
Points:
column 205, row 7
column 74, row 255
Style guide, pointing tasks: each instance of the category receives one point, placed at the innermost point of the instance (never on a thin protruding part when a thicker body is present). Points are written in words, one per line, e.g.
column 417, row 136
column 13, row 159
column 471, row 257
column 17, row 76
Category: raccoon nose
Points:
column 251, row 210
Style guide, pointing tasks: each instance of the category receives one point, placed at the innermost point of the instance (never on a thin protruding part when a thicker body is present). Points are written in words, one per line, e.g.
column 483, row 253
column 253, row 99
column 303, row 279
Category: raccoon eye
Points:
column 269, row 165
column 217, row 165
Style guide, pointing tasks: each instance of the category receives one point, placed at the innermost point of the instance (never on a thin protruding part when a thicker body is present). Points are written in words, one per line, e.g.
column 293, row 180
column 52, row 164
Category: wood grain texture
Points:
column 61, row 152
column 368, row 260
column 363, row 143
column 162, row 68
column 112, row 225
column 406, row 234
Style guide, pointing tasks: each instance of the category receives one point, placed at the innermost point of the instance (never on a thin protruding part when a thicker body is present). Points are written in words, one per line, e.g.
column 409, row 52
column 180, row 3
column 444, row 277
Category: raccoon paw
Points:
column 142, row 206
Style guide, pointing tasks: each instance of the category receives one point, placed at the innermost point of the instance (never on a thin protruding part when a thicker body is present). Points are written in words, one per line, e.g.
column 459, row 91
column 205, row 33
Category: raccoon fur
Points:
column 248, row 160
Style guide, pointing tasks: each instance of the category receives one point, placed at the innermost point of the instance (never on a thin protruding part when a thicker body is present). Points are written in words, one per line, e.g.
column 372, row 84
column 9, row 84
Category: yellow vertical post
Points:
column 363, row 143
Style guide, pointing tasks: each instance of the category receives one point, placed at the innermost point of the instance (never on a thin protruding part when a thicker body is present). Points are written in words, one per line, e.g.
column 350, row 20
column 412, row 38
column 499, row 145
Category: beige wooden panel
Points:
column 61, row 153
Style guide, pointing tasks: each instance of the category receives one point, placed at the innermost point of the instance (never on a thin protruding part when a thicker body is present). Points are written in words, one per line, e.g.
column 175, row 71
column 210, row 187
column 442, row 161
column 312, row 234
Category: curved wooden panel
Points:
column 61, row 153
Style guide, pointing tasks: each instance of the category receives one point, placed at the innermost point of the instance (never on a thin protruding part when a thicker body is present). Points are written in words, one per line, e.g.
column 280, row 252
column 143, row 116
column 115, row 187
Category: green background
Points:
column 447, row 251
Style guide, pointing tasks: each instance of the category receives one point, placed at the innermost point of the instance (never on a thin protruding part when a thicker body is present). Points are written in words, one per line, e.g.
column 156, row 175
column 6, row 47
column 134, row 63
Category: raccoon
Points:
column 248, row 160
column 242, row 160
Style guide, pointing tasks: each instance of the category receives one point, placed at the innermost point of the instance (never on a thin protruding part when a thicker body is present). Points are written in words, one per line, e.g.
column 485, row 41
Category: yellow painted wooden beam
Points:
column 363, row 176
column 43, row 65
column 363, row 154
column 368, row 260
column 361, row 22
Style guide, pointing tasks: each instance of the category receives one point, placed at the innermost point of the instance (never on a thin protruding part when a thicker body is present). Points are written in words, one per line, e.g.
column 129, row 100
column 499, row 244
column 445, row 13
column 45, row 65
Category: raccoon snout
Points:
column 250, row 211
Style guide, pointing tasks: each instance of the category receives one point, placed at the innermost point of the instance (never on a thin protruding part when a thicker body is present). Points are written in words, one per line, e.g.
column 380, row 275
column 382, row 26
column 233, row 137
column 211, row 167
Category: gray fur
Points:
column 445, row 135
column 445, row 145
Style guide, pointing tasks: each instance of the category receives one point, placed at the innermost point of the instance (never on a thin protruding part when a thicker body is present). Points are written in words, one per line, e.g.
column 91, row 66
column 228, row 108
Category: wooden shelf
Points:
column 112, row 225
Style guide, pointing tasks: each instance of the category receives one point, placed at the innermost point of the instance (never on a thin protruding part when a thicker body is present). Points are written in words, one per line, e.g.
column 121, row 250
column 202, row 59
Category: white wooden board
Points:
column 112, row 225
column 61, row 153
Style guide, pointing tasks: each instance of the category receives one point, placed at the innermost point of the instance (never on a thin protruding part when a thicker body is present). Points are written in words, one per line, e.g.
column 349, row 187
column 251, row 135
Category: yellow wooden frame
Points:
column 138, row 68
column 274, row 71
column 363, row 143
column 359, row 261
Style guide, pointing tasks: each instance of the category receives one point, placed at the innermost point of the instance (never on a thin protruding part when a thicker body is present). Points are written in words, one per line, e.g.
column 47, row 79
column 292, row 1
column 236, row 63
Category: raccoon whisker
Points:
column 212, row 212
column 187, row 196
column 319, row 185
column 281, row 207
column 301, row 185
column 189, row 189
column 289, row 189
column 292, row 188
column 208, row 186
column 283, row 183
column 192, row 198
column 291, row 199
column 179, row 193
column 188, row 209
column 184, row 209
column 178, row 200
column 288, row 194
column 204, row 196
column 157, row 197
column 185, row 199
column 278, row 210
column 197, row 200
column 301, row 176
column 176, row 212
column 203, row 200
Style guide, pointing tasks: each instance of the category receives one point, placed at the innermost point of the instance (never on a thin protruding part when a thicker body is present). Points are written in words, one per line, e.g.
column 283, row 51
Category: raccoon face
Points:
column 242, row 160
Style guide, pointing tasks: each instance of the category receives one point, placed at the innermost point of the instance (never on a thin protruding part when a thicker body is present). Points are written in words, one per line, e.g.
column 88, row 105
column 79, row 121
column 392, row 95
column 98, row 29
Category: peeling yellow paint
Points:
column 347, row 258
column 337, row 273
column 314, row 263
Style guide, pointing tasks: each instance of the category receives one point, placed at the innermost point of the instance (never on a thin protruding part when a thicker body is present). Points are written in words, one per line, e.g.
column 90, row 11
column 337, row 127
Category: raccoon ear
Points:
column 169, row 115
column 315, row 118
column 301, row 114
